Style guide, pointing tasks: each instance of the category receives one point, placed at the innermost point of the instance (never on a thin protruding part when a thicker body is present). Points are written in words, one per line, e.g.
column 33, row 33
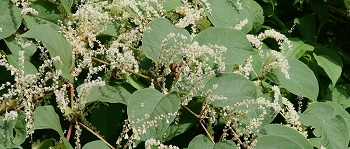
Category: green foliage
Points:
column 214, row 74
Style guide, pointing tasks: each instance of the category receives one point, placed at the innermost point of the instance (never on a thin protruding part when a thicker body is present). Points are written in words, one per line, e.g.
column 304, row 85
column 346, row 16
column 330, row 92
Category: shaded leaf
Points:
column 330, row 62
column 45, row 117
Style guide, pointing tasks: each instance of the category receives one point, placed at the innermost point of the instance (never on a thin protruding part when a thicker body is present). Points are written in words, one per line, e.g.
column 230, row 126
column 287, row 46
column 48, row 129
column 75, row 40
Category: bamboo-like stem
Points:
column 101, row 61
column 208, row 134
column 69, row 131
column 96, row 134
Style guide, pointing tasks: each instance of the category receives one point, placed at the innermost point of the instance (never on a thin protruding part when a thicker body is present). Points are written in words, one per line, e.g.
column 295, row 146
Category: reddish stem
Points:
column 69, row 131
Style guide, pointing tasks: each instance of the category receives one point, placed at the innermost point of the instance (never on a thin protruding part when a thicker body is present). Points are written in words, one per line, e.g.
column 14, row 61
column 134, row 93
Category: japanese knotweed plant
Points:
column 158, row 74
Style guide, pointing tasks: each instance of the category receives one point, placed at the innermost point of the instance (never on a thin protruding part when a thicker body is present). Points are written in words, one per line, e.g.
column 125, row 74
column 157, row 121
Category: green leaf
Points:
column 330, row 62
column 110, row 94
column 96, row 144
column 227, row 144
column 13, row 46
column 321, row 10
column 302, row 80
column 133, row 82
column 152, row 40
column 47, row 11
column 56, row 45
column 226, row 13
column 307, row 28
column 111, row 30
column 238, row 46
column 67, row 4
column 108, row 120
column 13, row 132
column 171, row 4
column 330, row 122
column 256, row 12
column 275, row 136
column 233, row 86
column 200, row 142
column 10, row 18
column 148, row 105
column 298, row 49
column 45, row 117
column 185, row 122
column 32, row 22
column 339, row 95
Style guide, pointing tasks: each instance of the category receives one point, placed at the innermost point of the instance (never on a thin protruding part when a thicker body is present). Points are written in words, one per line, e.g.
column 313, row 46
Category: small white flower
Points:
column 12, row 115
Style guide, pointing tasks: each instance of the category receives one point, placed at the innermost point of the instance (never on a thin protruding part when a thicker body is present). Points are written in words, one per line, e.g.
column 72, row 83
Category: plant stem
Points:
column 96, row 134
column 188, row 109
column 101, row 61
column 234, row 133
column 205, row 129
column 69, row 131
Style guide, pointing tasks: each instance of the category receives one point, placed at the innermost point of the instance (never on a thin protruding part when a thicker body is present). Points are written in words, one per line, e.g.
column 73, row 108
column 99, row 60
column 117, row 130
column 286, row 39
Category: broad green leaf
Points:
column 108, row 120
column 171, row 4
column 307, row 28
column 233, row 86
column 238, row 46
column 152, row 40
column 96, row 144
column 56, row 45
column 330, row 122
column 32, row 22
column 15, row 131
column 256, row 12
column 276, row 136
column 149, row 105
column 330, row 62
column 226, row 13
column 47, row 11
column 45, row 117
column 227, row 144
column 200, row 142
column 10, row 18
column 302, row 80
column 110, row 94
column 298, row 49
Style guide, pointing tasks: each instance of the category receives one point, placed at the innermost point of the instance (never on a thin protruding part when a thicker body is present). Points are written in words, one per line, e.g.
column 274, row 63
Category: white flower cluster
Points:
column 246, row 69
column 153, row 142
column 28, row 87
column 191, row 15
column 25, row 5
column 12, row 115
column 280, row 38
column 193, row 60
column 241, row 24
column 275, row 60
column 85, row 89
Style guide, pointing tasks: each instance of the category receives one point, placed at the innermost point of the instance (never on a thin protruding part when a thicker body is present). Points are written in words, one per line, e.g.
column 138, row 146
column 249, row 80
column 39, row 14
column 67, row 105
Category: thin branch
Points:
column 34, row 99
column 96, row 134
column 188, row 109
column 236, row 136
column 101, row 61
column 208, row 134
